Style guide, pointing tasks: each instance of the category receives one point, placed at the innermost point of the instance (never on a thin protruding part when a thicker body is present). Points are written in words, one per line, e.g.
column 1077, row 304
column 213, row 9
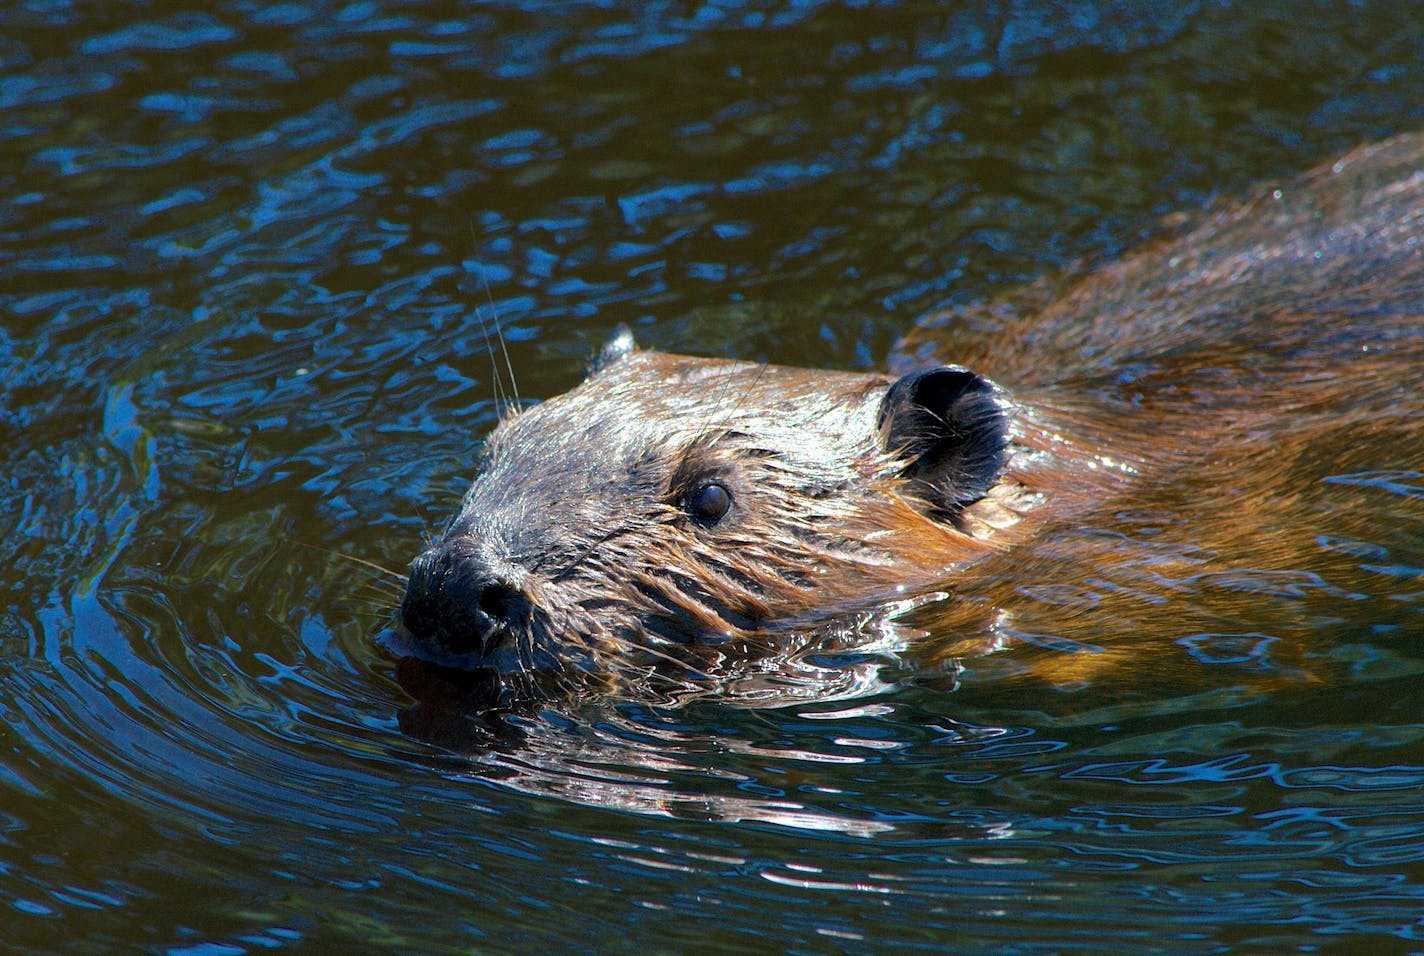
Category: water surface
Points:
column 248, row 259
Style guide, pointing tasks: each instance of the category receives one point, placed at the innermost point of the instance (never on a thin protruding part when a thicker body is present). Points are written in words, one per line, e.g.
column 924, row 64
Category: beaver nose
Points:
column 456, row 601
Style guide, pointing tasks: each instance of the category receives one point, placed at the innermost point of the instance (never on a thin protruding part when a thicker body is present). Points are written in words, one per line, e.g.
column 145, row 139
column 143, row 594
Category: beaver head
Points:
column 670, row 502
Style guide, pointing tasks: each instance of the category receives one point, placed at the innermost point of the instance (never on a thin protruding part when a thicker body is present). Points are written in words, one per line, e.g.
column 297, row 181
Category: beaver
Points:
column 673, row 511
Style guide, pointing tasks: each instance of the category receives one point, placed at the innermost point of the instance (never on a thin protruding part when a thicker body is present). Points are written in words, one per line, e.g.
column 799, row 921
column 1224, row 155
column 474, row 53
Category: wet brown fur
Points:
column 1205, row 367
column 1235, row 353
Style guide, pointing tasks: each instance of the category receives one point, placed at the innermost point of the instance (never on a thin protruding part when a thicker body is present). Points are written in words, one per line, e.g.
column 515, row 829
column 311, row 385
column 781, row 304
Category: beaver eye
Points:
column 709, row 503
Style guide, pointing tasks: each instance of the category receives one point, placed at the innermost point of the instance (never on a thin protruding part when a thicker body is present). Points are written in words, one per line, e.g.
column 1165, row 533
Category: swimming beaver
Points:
column 670, row 507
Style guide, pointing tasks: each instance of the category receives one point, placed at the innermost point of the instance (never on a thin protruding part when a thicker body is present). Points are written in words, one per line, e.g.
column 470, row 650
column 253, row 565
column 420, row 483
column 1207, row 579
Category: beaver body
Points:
column 674, row 511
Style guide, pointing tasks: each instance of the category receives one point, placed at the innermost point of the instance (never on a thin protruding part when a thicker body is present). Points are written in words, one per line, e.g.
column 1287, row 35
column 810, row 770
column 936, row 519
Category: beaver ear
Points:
column 615, row 350
column 951, row 427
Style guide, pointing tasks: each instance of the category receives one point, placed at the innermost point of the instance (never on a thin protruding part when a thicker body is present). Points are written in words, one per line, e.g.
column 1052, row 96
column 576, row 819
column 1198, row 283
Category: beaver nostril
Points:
column 502, row 603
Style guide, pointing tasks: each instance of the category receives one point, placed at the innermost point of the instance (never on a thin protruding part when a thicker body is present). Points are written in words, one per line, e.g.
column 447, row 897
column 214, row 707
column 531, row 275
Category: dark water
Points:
column 245, row 252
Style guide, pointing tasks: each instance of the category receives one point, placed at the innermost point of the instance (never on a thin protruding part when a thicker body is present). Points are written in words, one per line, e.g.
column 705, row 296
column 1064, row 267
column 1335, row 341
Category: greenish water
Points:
column 245, row 254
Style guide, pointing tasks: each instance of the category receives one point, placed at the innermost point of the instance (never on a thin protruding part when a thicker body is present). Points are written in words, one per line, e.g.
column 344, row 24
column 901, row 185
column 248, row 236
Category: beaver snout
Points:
column 456, row 601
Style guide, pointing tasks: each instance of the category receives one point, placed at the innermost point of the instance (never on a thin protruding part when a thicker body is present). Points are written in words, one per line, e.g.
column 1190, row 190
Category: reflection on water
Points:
column 847, row 657
column 634, row 749
column 241, row 253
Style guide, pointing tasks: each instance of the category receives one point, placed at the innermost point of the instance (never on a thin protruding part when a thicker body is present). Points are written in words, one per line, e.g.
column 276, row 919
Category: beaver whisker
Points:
column 593, row 546
column 380, row 594
column 667, row 658
column 398, row 579
column 381, row 603
column 628, row 643
column 736, row 407
column 385, row 587
column 502, row 403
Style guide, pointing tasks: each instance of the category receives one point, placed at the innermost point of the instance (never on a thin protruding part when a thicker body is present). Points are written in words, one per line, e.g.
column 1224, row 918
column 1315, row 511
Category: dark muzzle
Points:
column 455, row 601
